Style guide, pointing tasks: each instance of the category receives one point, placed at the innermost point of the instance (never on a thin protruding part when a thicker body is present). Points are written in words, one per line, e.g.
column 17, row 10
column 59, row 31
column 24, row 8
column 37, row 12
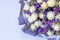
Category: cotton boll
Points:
column 44, row 5
column 41, row 15
column 33, row 27
column 32, row 9
column 26, row 7
column 58, row 16
column 39, row 1
column 51, row 3
column 59, row 3
column 50, row 15
column 49, row 33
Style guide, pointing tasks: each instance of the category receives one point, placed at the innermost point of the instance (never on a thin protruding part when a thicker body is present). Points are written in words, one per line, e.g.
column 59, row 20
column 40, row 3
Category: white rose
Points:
column 50, row 15
column 51, row 3
column 56, row 27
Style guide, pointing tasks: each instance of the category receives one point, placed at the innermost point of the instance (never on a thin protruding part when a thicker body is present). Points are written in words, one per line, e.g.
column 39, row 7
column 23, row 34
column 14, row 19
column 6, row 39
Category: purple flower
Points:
column 44, row 19
column 44, row 30
column 50, row 22
column 37, row 11
column 40, row 30
column 37, row 30
column 37, row 5
column 46, row 10
column 56, row 9
column 50, row 28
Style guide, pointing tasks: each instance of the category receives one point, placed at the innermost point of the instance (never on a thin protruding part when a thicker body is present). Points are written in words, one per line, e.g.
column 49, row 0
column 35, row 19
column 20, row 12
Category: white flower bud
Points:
column 50, row 15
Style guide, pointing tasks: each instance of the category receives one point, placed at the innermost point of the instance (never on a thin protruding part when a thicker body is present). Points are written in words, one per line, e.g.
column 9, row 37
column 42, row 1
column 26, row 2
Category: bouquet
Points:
column 40, row 17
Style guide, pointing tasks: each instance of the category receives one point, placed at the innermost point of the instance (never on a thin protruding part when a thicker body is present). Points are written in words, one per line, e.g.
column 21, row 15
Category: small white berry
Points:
column 51, row 3
column 26, row 7
column 50, row 15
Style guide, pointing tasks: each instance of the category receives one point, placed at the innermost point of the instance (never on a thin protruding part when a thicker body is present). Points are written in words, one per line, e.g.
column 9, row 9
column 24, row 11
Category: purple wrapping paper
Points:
column 21, row 20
